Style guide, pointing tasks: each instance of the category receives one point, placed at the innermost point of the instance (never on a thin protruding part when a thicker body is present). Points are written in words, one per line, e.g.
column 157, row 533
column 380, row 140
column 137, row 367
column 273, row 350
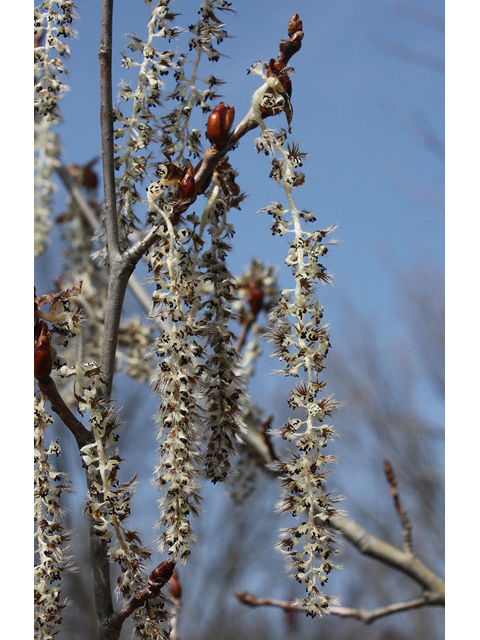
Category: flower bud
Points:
column 174, row 585
column 186, row 186
column 255, row 297
column 185, row 194
column 163, row 572
column 219, row 123
column 42, row 355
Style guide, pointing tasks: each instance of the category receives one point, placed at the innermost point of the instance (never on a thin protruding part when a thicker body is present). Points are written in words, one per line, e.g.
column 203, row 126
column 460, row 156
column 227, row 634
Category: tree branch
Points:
column 404, row 520
column 116, row 291
column 365, row 615
column 156, row 581
column 106, row 124
column 406, row 562
column 82, row 435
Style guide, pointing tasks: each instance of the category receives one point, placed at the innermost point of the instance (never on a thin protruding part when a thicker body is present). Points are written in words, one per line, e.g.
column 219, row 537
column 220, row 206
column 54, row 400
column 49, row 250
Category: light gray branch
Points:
column 407, row 563
column 116, row 289
column 106, row 125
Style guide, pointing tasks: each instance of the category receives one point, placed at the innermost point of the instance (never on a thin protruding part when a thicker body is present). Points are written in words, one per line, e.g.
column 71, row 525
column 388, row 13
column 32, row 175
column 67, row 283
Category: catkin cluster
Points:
column 52, row 27
column 197, row 376
column 108, row 506
column 301, row 342
column 51, row 538
column 134, row 133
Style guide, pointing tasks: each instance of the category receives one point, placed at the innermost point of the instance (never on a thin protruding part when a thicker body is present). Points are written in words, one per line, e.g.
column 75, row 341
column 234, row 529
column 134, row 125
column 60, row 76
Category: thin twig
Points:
column 156, row 581
column 405, row 522
column 243, row 336
column 264, row 430
column 76, row 193
column 365, row 615
column 82, row 435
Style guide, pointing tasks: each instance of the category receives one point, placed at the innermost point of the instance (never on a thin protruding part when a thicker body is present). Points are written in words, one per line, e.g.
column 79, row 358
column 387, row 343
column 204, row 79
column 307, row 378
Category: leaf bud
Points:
column 186, row 187
column 174, row 585
column 255, row 296
column 219, row 124
column 42, row 354
column 163, row 572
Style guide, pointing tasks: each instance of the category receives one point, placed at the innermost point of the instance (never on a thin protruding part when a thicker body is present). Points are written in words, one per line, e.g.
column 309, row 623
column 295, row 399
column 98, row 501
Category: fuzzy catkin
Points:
column 301, row 344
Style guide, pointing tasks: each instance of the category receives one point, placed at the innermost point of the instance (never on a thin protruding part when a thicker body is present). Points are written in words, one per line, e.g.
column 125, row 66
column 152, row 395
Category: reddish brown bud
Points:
column 163, row 572
column 202, row 188
column 186, row 186
column 185, row 194
column 84, row 175
column 169, row 173
column 288, row 48
column 174, row 585
column 255, row 297
column 42, row 364
column 294, row 25
column 219, row 124
column 88, row 178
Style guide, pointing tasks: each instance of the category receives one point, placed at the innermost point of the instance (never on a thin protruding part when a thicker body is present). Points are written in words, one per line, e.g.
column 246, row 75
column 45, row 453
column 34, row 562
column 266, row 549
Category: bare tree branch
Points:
column 106, row 123
column 406, row 525
column 156, row 581
column 407, row 563
column 365, row 615
column 116, row 291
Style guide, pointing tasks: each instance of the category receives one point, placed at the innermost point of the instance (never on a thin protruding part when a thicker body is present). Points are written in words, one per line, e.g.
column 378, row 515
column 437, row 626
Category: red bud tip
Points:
column 294, row 25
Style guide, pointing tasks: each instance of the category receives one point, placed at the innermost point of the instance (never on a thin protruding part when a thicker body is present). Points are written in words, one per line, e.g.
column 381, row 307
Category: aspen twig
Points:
column 365, row 615
column 405, row 522
column 156, row 581
column 82, row 435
